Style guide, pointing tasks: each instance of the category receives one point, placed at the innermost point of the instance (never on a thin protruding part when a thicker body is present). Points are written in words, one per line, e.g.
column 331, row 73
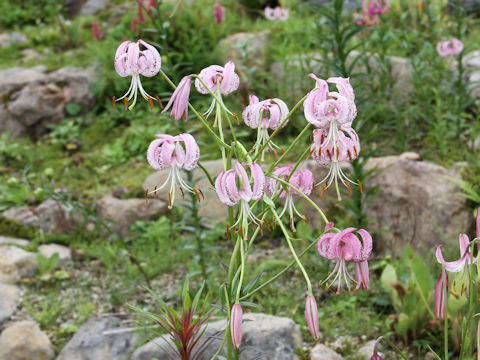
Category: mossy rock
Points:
column 15, row 229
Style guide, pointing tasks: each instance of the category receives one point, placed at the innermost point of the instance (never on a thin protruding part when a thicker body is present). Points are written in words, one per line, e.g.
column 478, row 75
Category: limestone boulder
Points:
column 31, row 99
column 125, row 212
column 417, row 204
column 50, row 216
column 101, row 338
column 23, row 340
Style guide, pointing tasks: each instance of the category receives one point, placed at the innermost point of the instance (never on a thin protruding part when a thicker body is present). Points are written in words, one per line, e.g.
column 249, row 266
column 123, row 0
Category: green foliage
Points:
column 46, row 267
column 15, row 14
column 412, row 299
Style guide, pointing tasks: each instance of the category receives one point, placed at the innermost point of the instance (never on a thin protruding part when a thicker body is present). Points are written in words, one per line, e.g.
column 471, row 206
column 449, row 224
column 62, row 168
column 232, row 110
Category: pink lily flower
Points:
column 311, row 313
column 450, row 48
column 276, row 13
column 218, row 13
column 236, row 325
column 174, row 152
column 131, row 61
column 301, row 179
column 96, row 31
column 441, row 293
column 324, row 109
column 331, row 151
column 375, row 7
column 268, row 114
column 343, row 247
column 231, row 194
column 478, row 224
column 179, row 99
column 218, row 79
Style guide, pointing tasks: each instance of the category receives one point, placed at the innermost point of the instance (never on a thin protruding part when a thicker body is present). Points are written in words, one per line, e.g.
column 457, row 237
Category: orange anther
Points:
column 241, row 231
column 146, row 195
column 266, row 223
column 169, row 200
column 236, row 118
column 228, row 232
column 114, row 103
column 125, row 101
column 150, row 102
column 196, row 193
column 201, row 192
column 360, row 185
column 183, row 193
column 349, row 155
column 349, row 189
column 311, row 153
column 160, row 102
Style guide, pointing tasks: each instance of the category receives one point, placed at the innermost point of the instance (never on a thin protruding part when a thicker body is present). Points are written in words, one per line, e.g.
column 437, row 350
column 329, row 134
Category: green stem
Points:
column 392, row 345
column 210, row 180
column 276, row 276
column 292, row 249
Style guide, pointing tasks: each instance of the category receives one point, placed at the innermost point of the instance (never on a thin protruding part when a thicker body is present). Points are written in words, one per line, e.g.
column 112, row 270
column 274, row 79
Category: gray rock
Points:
column 8, row 301
column 429, row 208
column 50, row 216
column 14, row 241
column 30, row 99
column 101, row 338
column 23, row 340
column 246, row 50
column 322, row 352
column 8, row 39
column 64, row 253
column 264, row 337
column 366, row 351
column 15, row 263
column 125, row 212
column 30, row 54
column 91, row 7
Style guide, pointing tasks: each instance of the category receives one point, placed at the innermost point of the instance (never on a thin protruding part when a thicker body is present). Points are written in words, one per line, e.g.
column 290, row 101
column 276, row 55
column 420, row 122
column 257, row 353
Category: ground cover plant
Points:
column 279, row 128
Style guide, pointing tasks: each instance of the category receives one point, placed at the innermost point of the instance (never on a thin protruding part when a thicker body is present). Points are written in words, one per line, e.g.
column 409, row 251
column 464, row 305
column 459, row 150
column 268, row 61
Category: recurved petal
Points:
column 220, row 189
column 246, row 192
column 154, row 155
column 453, row 266
column 131, row 64
column 192, row 152
column 258, row 181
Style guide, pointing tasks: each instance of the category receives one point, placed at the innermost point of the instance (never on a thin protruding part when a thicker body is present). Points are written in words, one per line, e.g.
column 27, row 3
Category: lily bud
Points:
column 236, row 325
column 311, row 313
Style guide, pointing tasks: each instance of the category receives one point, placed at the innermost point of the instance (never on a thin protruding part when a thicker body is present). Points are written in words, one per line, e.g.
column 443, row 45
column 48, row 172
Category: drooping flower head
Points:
column 236, row 325
column 179, row 99
column 311, row 313
column 174, row 153
column 462, row 262
column 300, row 179
column 450, row 48
column 276, row 13
column 217, row 79
column 333, row 112
column 266, row 114
column 441, row 294
column 343, row 247
column 131, row 61
column 233, row 187
column 218, row 13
